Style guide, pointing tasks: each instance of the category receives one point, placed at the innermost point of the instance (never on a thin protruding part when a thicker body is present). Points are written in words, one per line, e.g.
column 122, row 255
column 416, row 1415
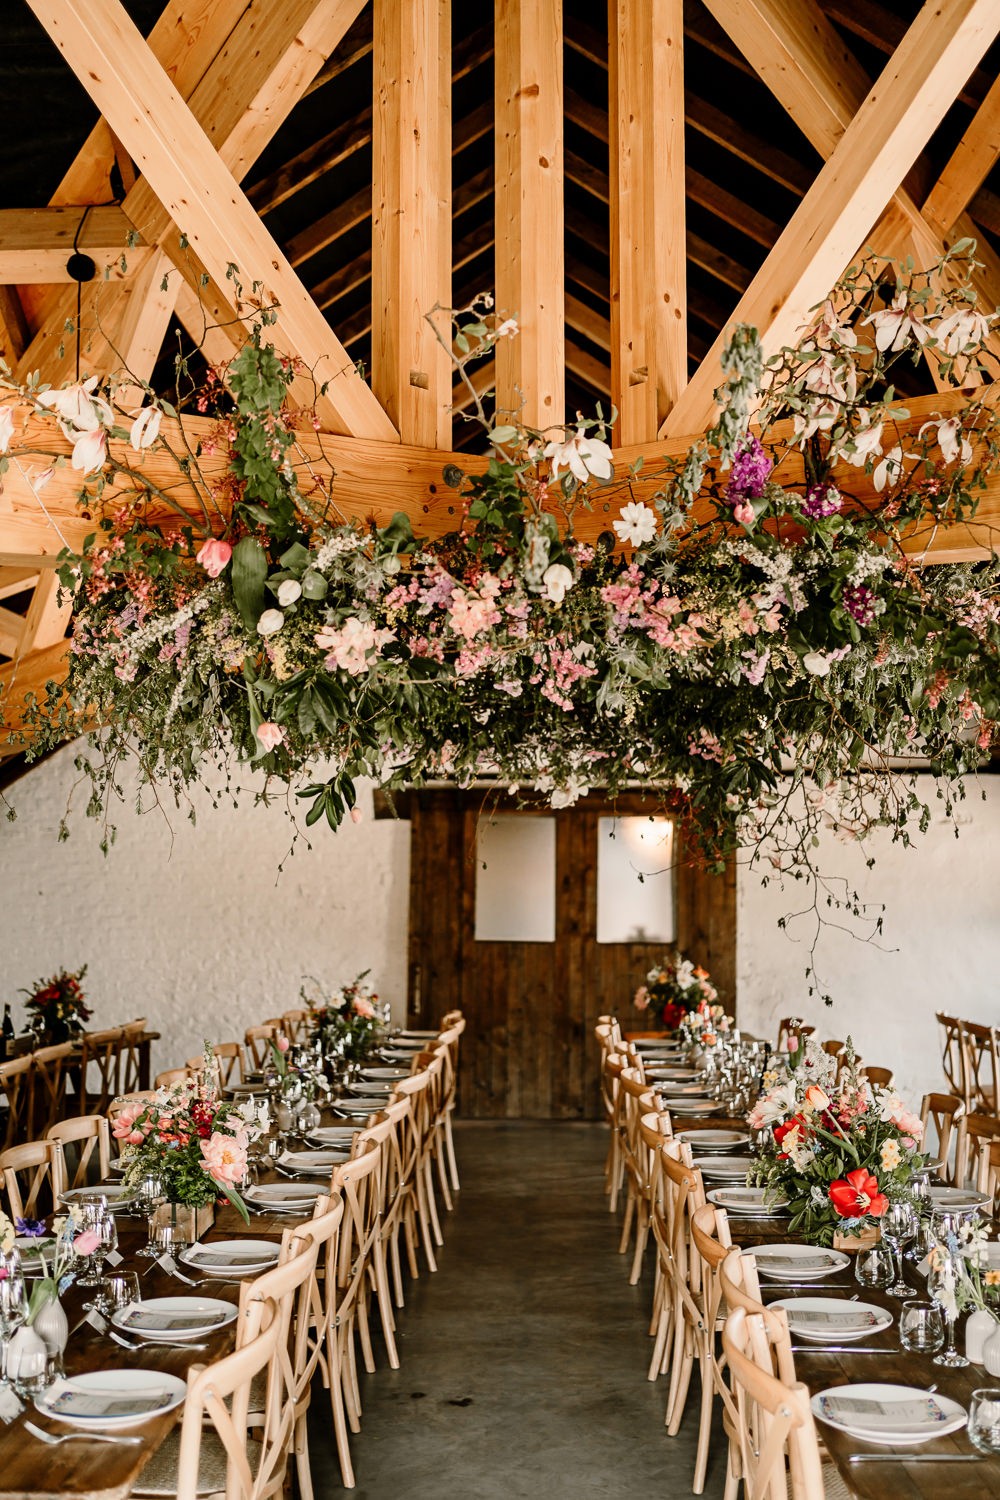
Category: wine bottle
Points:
column 7, row 1032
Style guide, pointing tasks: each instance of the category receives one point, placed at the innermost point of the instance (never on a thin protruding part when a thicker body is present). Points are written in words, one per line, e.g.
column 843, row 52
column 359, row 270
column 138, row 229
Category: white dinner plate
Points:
column 246, row 1090
column 368, row 1088
column 942, row 1414
column 672, row 1075
column 31, row 1247
column 232, row 1257
column 70, row 1400
column 313, row 1163
column 119, row 1197
column 713, row 1140
column 746, row 1201
column 697, row 1107
column 834, row 1320
column 418, row 1036
column 278, row 1195
column 356, row 1109
column 955, row 1199
column 380, row 1073
column 798, row 1262
column 183, row 1318
column 408, row 1043
column 732, row 1167
column 333, row 1135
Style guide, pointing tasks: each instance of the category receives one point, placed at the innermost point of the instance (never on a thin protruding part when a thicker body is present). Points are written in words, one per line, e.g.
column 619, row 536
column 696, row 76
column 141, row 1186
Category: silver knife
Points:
column 915, row 1458
column 839, row 1349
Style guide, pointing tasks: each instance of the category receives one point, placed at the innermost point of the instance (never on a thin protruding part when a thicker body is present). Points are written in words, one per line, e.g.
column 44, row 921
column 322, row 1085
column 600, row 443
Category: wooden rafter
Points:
column 529, row 209
column 648, row 246
column 971, row 162
column 35, row 243
column 411, row 216
column 865, row 169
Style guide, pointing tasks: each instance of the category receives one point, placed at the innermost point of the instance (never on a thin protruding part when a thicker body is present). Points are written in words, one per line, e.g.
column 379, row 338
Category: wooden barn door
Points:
column 531, row 1007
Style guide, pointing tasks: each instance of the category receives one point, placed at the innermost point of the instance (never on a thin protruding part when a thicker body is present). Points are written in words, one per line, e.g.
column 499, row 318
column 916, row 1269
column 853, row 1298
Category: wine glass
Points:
column 897, row 1229
column 150, row 1196
column 942, row 1283
column 107, row 1229
column 13, row 1302
column 90, row 1219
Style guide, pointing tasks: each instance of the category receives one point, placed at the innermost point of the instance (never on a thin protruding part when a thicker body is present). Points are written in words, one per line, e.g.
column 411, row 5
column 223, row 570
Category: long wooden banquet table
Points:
column 898, row 1473
column 86, row 1470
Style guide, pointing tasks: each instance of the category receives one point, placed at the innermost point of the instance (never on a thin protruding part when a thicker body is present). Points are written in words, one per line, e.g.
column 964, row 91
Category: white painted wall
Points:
column 940, row 948
column 199, row 934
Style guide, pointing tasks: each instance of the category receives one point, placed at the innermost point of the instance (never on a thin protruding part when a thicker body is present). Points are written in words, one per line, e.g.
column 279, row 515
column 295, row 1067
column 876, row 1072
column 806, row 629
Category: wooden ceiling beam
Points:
column 198, row 190
column 873, row 155
column 411, row 217
column 14, row 331
column 15, row 581
column 648, row 204
column 36, row 243
column 969, row 165
column 883, row 30
column 530, row 282
column 312, row 163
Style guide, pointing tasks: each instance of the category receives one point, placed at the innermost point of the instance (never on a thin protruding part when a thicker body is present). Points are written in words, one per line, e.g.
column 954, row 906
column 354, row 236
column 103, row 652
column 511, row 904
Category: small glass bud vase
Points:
column 979, row 1328
column 991, row 1352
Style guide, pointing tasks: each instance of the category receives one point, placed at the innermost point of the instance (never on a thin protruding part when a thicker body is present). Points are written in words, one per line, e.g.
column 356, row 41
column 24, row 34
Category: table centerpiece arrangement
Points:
column 56, row 1008
column 832, row 1148
column 193, row 1143
column 349, row 1022
column 674, row 990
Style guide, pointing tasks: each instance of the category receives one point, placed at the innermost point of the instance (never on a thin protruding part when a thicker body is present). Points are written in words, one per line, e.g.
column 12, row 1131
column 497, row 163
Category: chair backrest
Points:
column 774, row 1417
column 789, row 1028
column 99, row 1068
column 880, row 1078
column 129, row 1057
column 973, row 1131
column 30, row 1178
column 988, row 1169
column 289, row 1287
column 358, row 1181
column 832, row 1048
column 981, row 1048
column 295, row 1024
column 170, row 1076
column 228, row 1062
column 953, row 1055
column 944, row 1111
column 220, row 1395
column 15, row 1080
column 48, row 1083
column 87, row 1134
column 257, row 1041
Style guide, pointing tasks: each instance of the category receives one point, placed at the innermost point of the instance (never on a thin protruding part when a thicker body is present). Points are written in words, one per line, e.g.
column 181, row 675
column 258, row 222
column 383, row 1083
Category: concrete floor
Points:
column 523, row 1361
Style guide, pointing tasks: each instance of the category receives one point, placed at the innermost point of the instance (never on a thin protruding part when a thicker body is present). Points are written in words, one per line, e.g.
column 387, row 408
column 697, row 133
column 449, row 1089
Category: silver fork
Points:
column 76, row 1437
column 152, row 1343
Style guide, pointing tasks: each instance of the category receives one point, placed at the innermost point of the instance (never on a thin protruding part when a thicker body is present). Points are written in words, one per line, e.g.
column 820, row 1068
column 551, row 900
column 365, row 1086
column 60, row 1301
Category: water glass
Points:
column 874, row 1267
column 984, row 1420
column 921, row 1327
column 121, row 1291
column 13, row 1302
column 150, row 1196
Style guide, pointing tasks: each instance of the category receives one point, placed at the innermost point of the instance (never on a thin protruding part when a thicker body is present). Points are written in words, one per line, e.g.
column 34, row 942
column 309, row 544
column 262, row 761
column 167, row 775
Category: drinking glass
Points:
column 13, row 1302
column 898, row 1228
column 91, row 1214
column 984, row 1420
column 921, row 1327
column 874, row 1267
column 941, row 1283
column 108, row 1231
column 150, row 1196
column 121, row 1291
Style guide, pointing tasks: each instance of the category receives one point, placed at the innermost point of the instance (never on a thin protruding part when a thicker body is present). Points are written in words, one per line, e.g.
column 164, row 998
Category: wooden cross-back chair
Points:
column 130, row 1056
column 16, row 1082
column 295, row 1024
column 48, row 1085
column 972, row 1132
column 614, row 1065
column 211, row 1457
column 655, row 1133
column 944, row 1112
column 382, row 1133
column 79, row 1138
column 987, row 1166
column 711, row 1242
column 228, row 1061
column 432, row 1062
column 257, row 1041
column 170, row 1076
column 316, row 1340
column 778, row 1447
column 981, row 1049
column 360, row 1248
column 420, row 1204
column 687, row 1190
column 100, row 1052
column 880, row 1078
column 450, row 1040
column 638, row 1099
column 953, row 1055
column 31, row 1178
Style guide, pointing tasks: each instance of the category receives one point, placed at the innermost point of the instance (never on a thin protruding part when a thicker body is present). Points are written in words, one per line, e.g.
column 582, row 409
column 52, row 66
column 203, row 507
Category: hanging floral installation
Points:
column 756, row 650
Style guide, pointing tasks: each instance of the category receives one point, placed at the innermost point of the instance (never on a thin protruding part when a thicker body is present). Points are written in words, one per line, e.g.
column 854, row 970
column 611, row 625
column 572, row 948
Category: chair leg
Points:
column 641, row 1237
column 627, row 1223
column 450, row 1143
column 340, row 1424
column 385, row 1305
column 442, row 1167
column 432, row 1202
column 303, row 1470
column 704, row 1420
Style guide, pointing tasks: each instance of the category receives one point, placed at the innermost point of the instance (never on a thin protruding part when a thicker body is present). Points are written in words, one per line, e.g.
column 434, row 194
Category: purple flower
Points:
column 30, row 1228
column 822, row 500
column 859, row 601
column 750, row 471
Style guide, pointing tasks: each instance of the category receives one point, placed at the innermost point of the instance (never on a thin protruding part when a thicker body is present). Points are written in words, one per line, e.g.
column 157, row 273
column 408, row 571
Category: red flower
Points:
column 857, row 1196
column 793, row 1122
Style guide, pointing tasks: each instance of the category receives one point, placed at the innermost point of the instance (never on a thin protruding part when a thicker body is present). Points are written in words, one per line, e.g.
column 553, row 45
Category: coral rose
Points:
column 857, row 1196
column 224, row 1158
column 363, row 1008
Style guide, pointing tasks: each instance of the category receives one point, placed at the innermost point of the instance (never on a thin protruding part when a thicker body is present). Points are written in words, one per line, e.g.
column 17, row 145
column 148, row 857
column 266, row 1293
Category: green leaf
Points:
column 295, row 558
column 314, row 585
column 249, row 570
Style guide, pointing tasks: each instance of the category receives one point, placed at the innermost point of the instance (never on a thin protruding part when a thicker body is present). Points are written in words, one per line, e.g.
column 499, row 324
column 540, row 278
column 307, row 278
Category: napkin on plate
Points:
column 155, row 1322
column 914, row 1415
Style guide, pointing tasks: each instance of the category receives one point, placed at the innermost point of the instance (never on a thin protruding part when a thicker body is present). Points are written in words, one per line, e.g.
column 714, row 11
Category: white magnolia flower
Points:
column 289, row 589
column 585, row 457
column 270, row 622
column 6, row 427
column 506, row 329
column 78, row 408
column 565, row 796
column 961, row 329
column 145, row 428
column 89, row 450
column 637, row 524
column 557, row 579
column 951, row 439
column 890, row 469
column 816, row 663
column 896, row 323
column 865, row 442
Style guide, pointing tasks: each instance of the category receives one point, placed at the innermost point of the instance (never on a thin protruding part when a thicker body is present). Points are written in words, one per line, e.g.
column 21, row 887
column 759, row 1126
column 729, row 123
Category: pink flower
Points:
column 214, row 555
column 89, row 450
column 224, row 1158
column 743, row 513
column 356, row 815
column 270, row 735
column 87, row 1242
column 363, row 1007
column 125, row 1129
column 282, row 1043
column 909, row 1124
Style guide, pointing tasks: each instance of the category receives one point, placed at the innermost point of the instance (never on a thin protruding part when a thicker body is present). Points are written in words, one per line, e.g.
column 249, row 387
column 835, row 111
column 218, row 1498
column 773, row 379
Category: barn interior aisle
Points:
column 523, row 1360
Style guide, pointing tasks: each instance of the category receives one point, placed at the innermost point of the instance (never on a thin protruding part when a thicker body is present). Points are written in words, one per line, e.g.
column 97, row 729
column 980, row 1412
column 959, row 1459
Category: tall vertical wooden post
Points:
column 411, row 215
column 648, row 241
column 530, row 253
